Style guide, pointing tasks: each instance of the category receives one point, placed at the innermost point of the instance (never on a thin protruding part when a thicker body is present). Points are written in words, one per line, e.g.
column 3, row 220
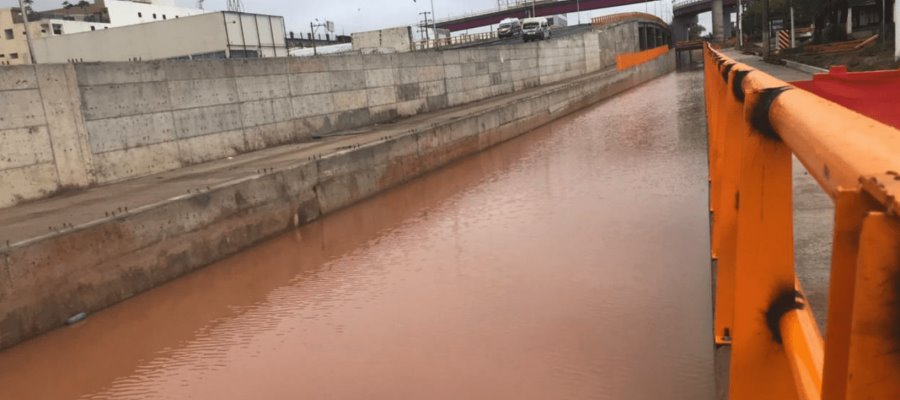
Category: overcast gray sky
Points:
column 360, row 15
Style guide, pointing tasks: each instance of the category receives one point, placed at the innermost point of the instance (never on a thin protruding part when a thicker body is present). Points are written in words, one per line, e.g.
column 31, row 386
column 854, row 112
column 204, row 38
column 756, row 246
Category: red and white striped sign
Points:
column 784, row 39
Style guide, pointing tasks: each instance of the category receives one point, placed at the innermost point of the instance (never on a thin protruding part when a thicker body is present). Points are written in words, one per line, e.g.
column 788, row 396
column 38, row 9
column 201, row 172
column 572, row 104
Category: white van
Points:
column 535, row 29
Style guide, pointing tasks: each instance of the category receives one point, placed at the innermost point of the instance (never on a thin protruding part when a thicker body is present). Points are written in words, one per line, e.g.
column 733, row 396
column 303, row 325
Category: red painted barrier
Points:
column 874, row 94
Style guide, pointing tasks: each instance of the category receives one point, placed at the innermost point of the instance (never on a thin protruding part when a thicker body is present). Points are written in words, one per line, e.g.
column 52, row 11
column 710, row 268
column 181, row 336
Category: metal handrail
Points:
column 756, row 125
column 629, row 16
column 687, row 3
column 455, row 40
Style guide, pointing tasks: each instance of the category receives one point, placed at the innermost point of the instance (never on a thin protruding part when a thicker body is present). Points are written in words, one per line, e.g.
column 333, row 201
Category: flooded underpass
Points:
column 569, row 263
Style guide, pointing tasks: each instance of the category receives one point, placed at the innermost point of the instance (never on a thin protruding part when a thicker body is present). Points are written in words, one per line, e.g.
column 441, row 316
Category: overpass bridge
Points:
column 548, row 220
column 541, row 9
column 685, row 14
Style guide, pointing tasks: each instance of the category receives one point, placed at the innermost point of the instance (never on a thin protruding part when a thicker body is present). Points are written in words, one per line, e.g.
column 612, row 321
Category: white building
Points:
column 102, row 14
column 210, row 35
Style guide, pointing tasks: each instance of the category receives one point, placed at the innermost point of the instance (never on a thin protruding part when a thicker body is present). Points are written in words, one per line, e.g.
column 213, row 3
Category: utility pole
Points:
column 312, row 36
column 532, row 9
column 765, row 31
column 793, row 37
column 27, row 31
column 425, row 24
column 328, row 25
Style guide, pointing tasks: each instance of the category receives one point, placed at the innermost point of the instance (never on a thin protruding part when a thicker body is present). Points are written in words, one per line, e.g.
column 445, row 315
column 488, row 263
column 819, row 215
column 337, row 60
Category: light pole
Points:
column 578, row 10
column 433, row 20
column 27, row 31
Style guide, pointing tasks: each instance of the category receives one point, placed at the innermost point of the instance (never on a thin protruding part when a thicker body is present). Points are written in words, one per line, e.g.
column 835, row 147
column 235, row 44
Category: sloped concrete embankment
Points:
column 48, row 279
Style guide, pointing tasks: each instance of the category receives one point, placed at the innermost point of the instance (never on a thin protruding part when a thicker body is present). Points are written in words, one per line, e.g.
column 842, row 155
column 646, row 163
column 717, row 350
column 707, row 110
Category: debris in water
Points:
column 76, row 318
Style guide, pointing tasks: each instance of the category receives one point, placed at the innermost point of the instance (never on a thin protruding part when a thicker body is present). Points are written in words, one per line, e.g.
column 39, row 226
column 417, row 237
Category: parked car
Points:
column 535, row 29
column 510, row 27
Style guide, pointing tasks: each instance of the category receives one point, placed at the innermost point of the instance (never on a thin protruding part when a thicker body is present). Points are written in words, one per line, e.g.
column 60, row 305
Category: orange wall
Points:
column 628, row 60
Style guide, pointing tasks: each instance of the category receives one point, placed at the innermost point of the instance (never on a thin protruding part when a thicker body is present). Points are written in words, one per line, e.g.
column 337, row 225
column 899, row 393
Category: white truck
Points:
column 535, row 29
column 558, row 21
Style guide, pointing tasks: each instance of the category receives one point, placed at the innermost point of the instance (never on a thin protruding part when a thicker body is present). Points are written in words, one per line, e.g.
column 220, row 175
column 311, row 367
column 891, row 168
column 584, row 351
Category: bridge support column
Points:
column 680, row 26
column 896, row 29
column 718, row 17
column 727, row 31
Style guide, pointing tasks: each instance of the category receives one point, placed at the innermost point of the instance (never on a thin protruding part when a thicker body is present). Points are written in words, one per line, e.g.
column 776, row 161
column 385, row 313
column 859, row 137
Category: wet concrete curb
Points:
column 809, row 69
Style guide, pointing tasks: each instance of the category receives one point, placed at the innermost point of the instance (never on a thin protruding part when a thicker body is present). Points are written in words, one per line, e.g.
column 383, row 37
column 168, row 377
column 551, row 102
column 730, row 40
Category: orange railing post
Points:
column 764, row 264
column 873, row 367
column 850, row 209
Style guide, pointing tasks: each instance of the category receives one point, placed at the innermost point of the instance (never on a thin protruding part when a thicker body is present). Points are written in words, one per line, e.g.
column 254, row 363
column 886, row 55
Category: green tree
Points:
column 67, row 5
column 695, row 32
column 829, row 16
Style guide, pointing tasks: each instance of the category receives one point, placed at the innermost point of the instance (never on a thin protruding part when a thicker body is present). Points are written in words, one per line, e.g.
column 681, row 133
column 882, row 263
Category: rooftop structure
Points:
column 211, row 35
column 100, row 15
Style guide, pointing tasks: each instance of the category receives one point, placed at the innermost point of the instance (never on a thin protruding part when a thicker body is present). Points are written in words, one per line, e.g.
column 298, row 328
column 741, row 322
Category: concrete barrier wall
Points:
column 93, row 266
column 78, row 125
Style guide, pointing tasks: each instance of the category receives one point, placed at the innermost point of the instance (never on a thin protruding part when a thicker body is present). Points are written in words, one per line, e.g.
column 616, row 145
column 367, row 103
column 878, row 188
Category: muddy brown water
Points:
column 569, row 263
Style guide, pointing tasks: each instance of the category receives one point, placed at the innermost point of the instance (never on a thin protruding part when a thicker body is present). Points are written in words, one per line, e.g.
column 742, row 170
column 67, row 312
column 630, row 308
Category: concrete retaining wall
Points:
column 44, row 281
column 72, row 126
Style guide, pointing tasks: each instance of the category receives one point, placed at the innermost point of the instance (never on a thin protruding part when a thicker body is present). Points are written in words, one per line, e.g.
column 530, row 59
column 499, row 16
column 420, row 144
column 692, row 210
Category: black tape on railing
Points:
column 726, row 70
column 759, row 119
column 786, row 300
column 737, row 85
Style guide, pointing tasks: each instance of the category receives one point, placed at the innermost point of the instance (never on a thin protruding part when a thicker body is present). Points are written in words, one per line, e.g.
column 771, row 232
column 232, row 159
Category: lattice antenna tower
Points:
column 235, row 5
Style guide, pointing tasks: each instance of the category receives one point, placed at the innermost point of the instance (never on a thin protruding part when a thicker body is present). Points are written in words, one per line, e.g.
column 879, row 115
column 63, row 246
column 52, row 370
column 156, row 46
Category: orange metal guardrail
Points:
column 756, row 124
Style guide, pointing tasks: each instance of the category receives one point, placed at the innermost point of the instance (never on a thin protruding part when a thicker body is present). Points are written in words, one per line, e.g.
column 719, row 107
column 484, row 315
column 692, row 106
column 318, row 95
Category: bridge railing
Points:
column 629, row 16
column 756, row 125
column 455, row 40
column 686, row 3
